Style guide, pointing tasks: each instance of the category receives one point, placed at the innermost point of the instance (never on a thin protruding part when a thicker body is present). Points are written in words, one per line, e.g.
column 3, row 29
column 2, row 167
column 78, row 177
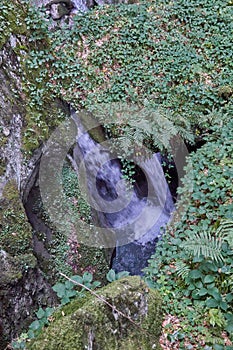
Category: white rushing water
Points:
column 136, row 215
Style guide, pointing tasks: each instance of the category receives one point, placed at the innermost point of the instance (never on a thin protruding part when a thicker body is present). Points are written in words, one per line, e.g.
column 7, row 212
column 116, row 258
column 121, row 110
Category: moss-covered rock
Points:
column 23, row 287
column 15, row 231
column 22, row 291
column 96, row 325
column 9, row 271
column 11, row 20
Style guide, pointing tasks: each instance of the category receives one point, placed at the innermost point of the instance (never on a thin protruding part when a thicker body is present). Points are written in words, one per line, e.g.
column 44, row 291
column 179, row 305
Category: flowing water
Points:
column 135, row 214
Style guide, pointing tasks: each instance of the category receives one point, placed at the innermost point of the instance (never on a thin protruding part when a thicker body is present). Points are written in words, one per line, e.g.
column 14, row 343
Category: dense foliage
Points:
column 24, row 31
column 193, row 264
column 173, row 56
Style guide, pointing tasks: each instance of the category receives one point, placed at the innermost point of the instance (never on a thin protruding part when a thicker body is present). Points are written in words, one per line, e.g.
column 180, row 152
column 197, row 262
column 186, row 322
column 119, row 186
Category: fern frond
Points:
column 225, row 231
column 141, row 123
column 205, row 244
column 182, row 269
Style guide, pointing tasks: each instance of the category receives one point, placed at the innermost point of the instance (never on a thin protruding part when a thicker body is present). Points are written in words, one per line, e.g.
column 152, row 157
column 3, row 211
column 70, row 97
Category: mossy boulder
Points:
column 96, row 325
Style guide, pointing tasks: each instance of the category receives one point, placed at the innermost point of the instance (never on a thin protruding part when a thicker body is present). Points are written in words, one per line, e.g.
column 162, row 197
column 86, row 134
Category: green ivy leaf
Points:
column 229, row 327
column 49, row 311
column 40, row 313
column 88, row 285
column 223, row 305
column 212, row 303
column 77, row 279
column 209, row 279
column 95, row 284
column 203, row 291
column 71, row 293
column 122, row 274
column 195, row 274
column 191, row 287
column 210, row 266
column 195, row 295
column 60, row 289
column 199, row 284
column 65, row 300
column 34, row 326
column 229, row 297
column 31, row 334
column 211, row 286
column 214, row 292
column 87, row 277
column 69, row 285
column 111, row 276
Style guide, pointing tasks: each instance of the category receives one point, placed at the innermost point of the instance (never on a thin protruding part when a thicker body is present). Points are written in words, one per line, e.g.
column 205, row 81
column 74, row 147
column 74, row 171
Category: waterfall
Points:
column 80, row 5
column 135, row 214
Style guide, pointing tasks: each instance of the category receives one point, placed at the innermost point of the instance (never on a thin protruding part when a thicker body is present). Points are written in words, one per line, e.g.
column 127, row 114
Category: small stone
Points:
column 57, row 11
column 5, row 131
column 13, row 41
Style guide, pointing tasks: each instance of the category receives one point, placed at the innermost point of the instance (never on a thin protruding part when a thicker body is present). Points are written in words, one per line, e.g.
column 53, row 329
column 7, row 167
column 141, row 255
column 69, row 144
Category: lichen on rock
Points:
column 96, row 325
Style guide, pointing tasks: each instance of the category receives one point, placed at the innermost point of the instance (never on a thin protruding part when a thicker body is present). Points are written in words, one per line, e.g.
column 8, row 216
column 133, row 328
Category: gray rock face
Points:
column 61, row 8
column 19, row 295
column 12, row 113
column 10, row 116
column 23, row 287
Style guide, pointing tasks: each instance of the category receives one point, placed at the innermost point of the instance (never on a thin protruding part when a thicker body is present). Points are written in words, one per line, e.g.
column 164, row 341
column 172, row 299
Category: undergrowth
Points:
column 193, row 263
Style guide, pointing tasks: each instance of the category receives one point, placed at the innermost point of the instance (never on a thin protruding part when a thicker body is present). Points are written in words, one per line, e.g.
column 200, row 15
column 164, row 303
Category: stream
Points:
column 135, row 214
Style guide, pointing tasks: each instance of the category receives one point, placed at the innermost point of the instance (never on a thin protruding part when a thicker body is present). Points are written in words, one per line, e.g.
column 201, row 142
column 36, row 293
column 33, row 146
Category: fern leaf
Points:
column 182, row 269
column 204, row 244
column 225, row 231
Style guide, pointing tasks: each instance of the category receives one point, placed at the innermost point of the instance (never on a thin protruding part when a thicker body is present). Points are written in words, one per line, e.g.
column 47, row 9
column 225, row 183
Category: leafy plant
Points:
column 182, row 269
column 42, row 320
column 20, row 343
column 193, row 261
column 205, row 244
column 216, row 318
column 68, row 290
column 146, row 55
column 113, row 276
column 225, row 231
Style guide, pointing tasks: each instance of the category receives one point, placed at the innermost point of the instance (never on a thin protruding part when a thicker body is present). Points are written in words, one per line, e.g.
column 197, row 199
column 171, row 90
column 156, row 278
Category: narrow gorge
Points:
column 116, row 170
